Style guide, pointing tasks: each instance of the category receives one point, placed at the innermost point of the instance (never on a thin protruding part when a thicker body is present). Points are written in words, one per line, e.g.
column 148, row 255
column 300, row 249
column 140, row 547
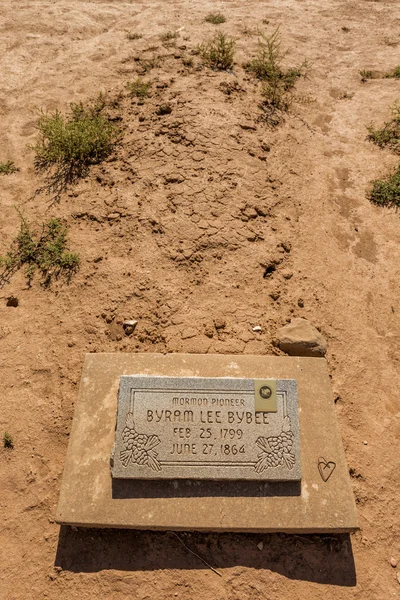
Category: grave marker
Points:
column 207, row 428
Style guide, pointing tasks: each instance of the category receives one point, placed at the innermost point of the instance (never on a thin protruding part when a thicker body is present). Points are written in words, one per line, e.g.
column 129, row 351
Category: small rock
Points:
column 286, row 246
column 188, row 333
column 12, row 301
column 197, row 156
column 219, row 323
column 248, row 126
column 287, row 274
column 300, row 303
column 398, row 576
column 365, row 443
column 174, row 178
column 260, row 545
column 164, row 109
column 250, row 212
column 209, row 331
column 275, row 294
column 257, row 328
column 251, row 236
column 129, row 326
column 393, row 562
column 114, row 215
column 301, row 338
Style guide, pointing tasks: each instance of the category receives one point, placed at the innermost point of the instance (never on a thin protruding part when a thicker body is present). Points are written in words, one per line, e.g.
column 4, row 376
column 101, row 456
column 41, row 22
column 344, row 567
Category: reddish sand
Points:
column 176, row 231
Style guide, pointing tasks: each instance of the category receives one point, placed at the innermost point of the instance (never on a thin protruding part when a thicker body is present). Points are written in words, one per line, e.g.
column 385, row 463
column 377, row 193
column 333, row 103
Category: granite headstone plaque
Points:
column 207, row 428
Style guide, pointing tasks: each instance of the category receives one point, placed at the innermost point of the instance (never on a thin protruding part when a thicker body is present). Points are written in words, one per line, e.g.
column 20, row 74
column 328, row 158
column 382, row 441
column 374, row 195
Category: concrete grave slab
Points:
column 90, row 497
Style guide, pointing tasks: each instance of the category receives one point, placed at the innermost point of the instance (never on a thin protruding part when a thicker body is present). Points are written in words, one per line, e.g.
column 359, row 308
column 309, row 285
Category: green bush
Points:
column 215, row 18
column 219, row 52
column 168, row 36
column 365, row 74
column 389, row 135
column 277, row 82
column 8, row 442
column 69, row 144
column 138, row 88
column 395, row 74
column 46, row 252
column 133, row 35
column 8, row 168
column 386, row 192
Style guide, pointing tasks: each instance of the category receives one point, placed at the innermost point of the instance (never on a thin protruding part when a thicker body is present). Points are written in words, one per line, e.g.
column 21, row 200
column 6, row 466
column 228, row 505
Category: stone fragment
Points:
column 188, row 333
column 301, row 338
column 129, row 326
column 260, row 545
column 393, row 562
column 257, row 328
column 287, row 274
column 197, row 156
column 275, row 294
column 174, row 178
column 164, row 109
column 12, row 301
column 219, row 323
column 209, row 331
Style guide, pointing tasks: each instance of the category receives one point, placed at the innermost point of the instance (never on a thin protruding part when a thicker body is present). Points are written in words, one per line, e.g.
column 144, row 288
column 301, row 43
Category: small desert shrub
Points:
column 277, row 82
column 215, row 18
column 148, row 64
column 69, row 144
column 219, row 52
column 390, row 41
column 139, row 88
column 386, row 192
column 169, row 35
column 45, row 251
column 394, row 74
column 389, row 135
column 133, row 36
column 8, row 442
column 187, row 61
column 7, row 168
column 365, row 74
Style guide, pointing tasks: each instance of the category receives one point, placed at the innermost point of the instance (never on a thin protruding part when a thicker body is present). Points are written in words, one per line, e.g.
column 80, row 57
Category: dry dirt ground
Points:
column 177, row 230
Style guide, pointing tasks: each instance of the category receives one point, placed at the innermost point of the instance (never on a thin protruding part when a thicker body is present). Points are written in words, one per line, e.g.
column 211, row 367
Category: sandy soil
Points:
column 177, row 231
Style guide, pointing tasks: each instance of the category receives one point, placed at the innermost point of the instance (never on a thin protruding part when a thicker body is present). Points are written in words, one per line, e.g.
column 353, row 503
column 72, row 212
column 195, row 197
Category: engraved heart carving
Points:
column 325, row 468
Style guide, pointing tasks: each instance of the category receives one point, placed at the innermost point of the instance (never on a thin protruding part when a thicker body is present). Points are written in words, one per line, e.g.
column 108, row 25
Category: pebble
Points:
column 197, row 156
column 12, row 301
column 260, row 545
column 301, row 338
column 129, row 326
column 287, row 274
column 219, row 323
column 257, row 328
column 393, row 562
column 365, row 443
column 188, row 333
